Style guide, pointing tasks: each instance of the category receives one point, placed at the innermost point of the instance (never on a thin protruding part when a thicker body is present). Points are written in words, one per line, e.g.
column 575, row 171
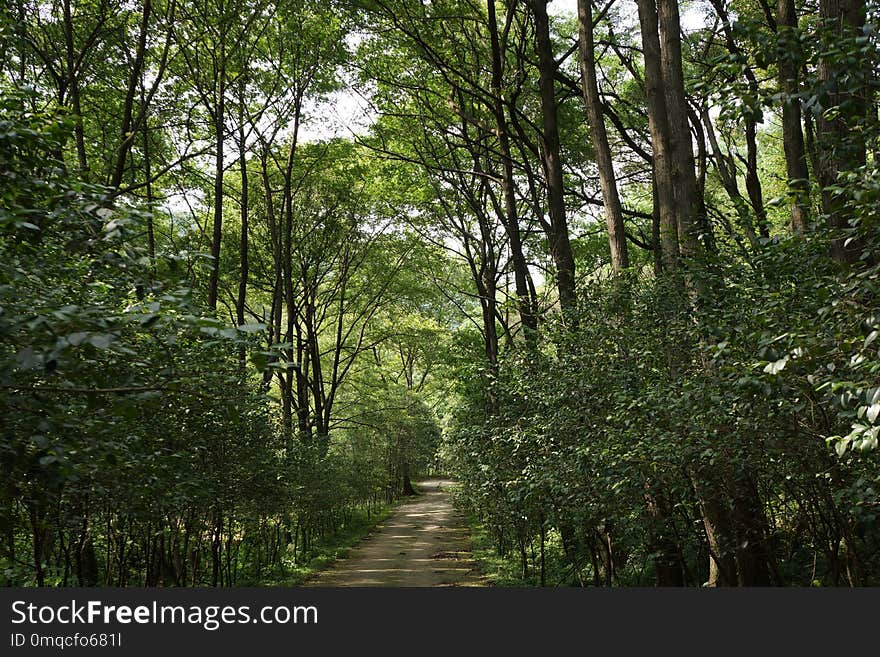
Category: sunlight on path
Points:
column 425, row 542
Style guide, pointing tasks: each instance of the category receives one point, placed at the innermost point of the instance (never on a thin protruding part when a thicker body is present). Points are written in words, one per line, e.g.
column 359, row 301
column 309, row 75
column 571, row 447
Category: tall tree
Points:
column 558, row 236
column 604, row 163
column 792, row 133
column 661, row 140
column 843, row 96
column 751, row 116
column 508, row 184
column 689, row 205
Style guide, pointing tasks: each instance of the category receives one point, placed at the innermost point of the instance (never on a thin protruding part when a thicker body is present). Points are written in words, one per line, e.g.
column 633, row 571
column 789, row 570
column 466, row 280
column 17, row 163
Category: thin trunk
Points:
column 703, row 225
column 604, row 163
column 274, row 332
column 151, row 236
column 38, row 540
column 243, row 242
column 727, row 173
column 220, row 136
column 73, row 83
column 319, row 397
column 299, row 370
column 491, row 331
column 662, row 541
column 810, row 144
column 127, row 134
column 750, row 119
column 656, row 243
column 753, row 182
column 508, row 185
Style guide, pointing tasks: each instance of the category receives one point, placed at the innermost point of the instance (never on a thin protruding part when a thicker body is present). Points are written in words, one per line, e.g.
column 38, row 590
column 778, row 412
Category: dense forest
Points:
column 611, row 265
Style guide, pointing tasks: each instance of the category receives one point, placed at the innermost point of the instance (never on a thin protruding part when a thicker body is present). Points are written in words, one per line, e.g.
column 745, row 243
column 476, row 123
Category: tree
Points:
column 613, row 210
column 842, row 110
column 792, row 133
column 661, row 136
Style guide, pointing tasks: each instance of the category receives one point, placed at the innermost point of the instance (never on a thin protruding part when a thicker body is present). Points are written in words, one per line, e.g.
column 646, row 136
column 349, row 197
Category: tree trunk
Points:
column 148, row 174
column 753, row 182
column 73, row 84
column 716, row 522
column 662, row 541
column 243, row 242
column 752, row 555
column 841, row 145
column 656, row 243
column 727, row 173
column 604, row 163
column 560, row 246
column 658, row 123
column 220, row 137
column 681, row 146
column 286, row 256
column 408, row 490
column 750, row 118
column 792, row 135
column 527, row 313
column 127, row 134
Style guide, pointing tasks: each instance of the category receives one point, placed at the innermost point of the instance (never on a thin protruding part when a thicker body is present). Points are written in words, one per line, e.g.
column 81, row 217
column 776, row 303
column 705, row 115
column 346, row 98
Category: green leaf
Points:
column 76, row 339
column 776, row 366
column 251, row 328
column 259, row 360
column 101, row 340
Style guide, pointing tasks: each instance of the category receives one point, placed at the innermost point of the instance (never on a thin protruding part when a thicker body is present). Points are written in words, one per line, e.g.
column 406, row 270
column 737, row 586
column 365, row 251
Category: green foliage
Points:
column 750, row 397
column 717, row 423
column 130, row 428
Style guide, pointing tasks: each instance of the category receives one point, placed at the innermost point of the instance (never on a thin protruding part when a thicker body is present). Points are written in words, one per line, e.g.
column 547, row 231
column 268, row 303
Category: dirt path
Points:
column 425, row 542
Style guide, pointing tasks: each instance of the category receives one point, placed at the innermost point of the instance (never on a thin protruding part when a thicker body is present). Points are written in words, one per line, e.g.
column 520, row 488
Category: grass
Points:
column 507, row 571
column 325, row 552
column 340, row 544
column 497, row 570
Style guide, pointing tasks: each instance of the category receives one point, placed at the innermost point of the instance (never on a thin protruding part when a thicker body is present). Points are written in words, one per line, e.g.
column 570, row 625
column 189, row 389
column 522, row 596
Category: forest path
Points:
column 425, row 542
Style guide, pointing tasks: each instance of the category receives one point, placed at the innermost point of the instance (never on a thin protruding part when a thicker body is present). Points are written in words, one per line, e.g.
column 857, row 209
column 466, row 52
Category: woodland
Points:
column 610, row 264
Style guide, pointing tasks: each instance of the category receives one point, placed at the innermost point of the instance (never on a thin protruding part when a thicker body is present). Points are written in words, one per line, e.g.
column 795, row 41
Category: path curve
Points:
column 425, row 542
